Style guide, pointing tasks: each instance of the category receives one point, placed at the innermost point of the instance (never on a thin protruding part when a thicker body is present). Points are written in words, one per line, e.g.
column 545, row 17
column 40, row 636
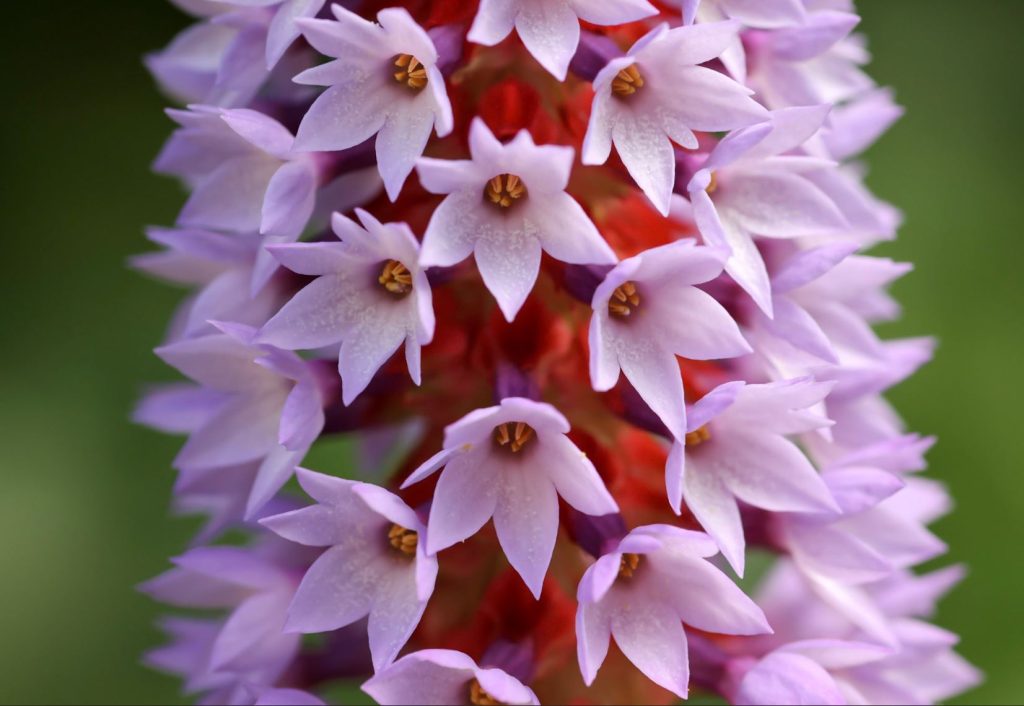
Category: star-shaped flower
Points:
column 504, row 206
column 370, row 294
column 659, row 94
column 550, row 29
column 445, row 677
column 642, row 592
column 749, row 186
column 384, row 81
column 376, row 564
column 737, row 450
column 261, row 404
column 512, row 462
column 646, row 312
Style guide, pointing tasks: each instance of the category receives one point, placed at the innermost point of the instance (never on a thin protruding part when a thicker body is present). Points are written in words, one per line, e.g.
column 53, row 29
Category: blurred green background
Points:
column 83, row 505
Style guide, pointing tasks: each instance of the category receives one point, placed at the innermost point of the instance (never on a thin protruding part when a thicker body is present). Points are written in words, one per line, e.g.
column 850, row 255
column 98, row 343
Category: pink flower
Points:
column 642, row 593
column 445, row 677
column 376, row 564
column 384, row 81
column 646, row 312
column 737, row 450
column 511, row 462
column 658, row 94
column 550, row 29
column 504, row 206
column 370, row 294
column 750, row 187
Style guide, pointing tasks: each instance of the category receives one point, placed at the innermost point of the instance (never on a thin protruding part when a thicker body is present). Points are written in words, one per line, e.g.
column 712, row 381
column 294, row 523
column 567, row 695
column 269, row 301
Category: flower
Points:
column 646, row 312
column 749, row 186
column 511, row 461
column 736, row 450
column 263, row 404
column 748, row 293
column 641, row 593
column 658, row 94
column 445, row 677
column 384, row 81
column 370, row 293
column 504, row 206
column 249, row 646
column 375, row 564
column 550, row 29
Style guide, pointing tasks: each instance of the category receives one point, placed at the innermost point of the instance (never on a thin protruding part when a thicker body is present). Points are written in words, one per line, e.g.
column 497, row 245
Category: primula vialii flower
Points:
column 567, row 293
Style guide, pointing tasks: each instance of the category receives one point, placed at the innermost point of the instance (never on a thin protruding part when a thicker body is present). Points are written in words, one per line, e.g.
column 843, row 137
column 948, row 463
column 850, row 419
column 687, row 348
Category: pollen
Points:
column 504, row 190
column 627, row 82
column 410, row 72
column 713, row 184
column 698, row 437
column 628, row 565
column 403, row 540
column 513, row 435
column 479, row 697
column 624, row 301
column 396, row 278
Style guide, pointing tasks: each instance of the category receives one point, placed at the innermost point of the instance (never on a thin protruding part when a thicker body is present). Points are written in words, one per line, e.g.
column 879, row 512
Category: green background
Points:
column 84, row 497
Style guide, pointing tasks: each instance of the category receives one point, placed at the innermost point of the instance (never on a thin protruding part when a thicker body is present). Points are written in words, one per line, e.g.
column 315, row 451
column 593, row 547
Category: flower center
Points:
column 479, row 697
column 698, row 437
column 628, row 565
column 625, row 299
column 713, row 184
column 396, row 278
column 410, row 72
column 513, row 435
column 403, row 540
column 504, row 190
column 627, row 82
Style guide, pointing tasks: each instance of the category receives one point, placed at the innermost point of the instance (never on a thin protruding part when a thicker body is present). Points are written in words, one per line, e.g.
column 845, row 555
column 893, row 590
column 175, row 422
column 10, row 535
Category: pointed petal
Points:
column 575, row 477
column 338, row 589
column 654, row 374
column 652, row 638
column 526, row 519
column 395, row 613
column 401, row 142
column 716, row 510
column 464, row 499
column 551, row 32
column 566, row 232
column 509, row 264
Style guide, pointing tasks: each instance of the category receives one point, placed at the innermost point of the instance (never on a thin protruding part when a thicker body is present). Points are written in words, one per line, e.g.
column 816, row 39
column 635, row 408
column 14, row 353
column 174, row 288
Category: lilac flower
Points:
column 736, row 450
column 283, row 29
column 512, row 462
column 642, row 592
column 658, row 94
column 221, row 266
column 807, row 672
column 646, row 312
column 264, row 405
column 246, row 178
column 749, row 187
column 763, row 14
column 550, row 29
column 504, row 206
column 213, row 61
column 445, row 677
column 384, row 81
column 250, row 645
column 376, row 564
column 370, row 293
column 814, row 63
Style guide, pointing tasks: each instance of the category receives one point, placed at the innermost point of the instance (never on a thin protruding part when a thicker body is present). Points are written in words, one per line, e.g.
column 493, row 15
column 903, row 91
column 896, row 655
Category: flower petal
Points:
column 526, row 519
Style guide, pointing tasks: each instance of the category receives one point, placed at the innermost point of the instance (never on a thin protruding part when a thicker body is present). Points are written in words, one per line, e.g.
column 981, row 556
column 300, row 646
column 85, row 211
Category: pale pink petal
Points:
column 243, row 430
column 465, row 498
column 715, row 508
column 509, row 263
column 526, row 519
column 428, row 677
column 612, row 12
column 692, row 324
column 289, row 200
column 566, row 232
column 275, row 470
column 453, row 230
column 779, row 205
column 648, row 156
column 346, row 114
column 551, row 32
column 338, row 589
column 654, row 373
column 395, row 613
column 788, row 679
column 231, row 197
column 651, row 636
column 575, row 477
column 317, row 316
column 593, row 637
column 401, row 142
column 494, row 21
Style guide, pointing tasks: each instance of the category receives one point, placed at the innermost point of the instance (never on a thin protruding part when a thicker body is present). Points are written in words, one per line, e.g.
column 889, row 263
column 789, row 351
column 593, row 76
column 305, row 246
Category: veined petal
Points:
column 509, row 263
column 551, row 32
column 566, row 232
column 651, row 636
column 575, row 477
column 465, row 498
column 526, row 519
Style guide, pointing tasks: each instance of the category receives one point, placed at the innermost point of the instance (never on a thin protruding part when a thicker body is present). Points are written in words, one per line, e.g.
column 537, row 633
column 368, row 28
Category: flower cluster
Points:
column 656, row 373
